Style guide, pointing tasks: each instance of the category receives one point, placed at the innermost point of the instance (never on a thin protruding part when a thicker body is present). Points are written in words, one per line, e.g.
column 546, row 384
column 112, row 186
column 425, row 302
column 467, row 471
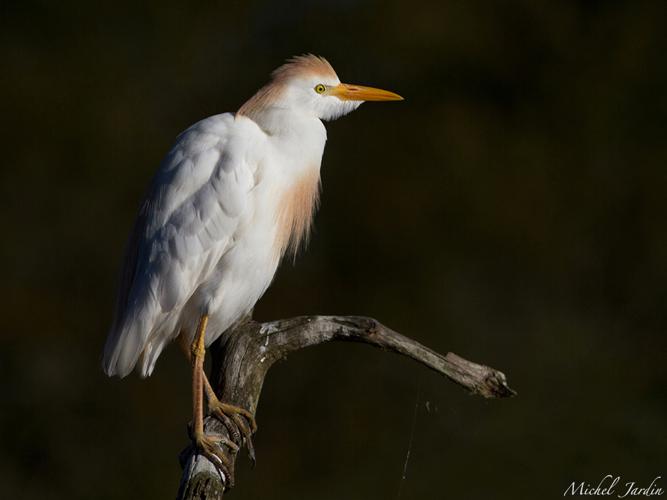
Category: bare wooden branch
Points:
column 241, row 363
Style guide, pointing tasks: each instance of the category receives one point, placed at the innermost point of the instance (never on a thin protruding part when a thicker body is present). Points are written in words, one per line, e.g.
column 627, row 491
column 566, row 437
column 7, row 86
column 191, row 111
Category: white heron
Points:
column 234, row 194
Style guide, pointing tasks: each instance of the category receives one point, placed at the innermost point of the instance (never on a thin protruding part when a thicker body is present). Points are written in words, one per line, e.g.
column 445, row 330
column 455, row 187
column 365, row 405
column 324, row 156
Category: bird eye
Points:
column 319, row 88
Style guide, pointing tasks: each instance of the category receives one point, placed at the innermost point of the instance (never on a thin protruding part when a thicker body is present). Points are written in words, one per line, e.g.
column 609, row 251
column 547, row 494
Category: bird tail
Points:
column 138, row 339
column 124, row 345
column 135, row 324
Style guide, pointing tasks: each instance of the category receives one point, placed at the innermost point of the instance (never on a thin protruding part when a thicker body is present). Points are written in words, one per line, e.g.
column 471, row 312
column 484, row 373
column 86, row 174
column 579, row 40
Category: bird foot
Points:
column 211, row 446
column 239, row 422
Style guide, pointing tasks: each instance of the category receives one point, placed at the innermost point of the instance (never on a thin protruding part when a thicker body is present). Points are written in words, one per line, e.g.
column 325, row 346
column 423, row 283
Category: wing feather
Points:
column 185, row 225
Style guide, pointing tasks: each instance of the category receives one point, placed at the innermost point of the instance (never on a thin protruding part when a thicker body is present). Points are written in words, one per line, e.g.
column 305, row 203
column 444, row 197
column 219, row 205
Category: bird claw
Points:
column 239, row 423
column 211, row 447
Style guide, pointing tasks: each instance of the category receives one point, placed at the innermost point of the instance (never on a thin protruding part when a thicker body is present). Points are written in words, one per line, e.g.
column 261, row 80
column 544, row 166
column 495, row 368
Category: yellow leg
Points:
column 207, row 445
column 223, row 411
column 198, row 353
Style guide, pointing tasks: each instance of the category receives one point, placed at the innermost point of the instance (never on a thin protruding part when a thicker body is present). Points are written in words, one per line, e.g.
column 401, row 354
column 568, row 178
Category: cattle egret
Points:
column 236, row 192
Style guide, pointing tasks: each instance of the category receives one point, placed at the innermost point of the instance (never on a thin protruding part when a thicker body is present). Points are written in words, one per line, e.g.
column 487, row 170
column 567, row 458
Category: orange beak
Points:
column 347, row 92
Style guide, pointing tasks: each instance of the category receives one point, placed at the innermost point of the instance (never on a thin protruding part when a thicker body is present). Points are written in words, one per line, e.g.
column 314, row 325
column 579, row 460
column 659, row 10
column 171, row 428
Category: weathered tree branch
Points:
column 240, row 365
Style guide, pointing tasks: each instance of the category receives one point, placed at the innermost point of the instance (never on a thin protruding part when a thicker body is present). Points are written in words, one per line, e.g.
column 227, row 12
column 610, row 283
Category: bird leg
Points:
column 209, row 446
column 239, row 422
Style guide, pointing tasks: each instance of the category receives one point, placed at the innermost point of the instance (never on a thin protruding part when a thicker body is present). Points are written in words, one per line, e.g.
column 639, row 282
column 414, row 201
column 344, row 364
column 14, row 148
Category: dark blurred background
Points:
column 511, row 210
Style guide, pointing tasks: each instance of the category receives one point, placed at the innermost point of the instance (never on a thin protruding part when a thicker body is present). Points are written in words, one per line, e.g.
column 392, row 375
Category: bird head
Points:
column 308, row 84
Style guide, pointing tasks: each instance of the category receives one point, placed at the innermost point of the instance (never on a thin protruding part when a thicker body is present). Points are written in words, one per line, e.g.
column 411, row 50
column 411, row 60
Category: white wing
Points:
column 184, row 226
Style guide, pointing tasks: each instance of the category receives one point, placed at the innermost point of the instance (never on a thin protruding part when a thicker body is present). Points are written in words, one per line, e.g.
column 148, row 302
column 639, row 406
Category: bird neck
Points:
column 277, row 121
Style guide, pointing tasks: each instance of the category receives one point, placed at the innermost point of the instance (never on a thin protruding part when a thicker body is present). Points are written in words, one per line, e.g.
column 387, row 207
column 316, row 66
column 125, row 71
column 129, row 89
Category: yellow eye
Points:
column 320, row 88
